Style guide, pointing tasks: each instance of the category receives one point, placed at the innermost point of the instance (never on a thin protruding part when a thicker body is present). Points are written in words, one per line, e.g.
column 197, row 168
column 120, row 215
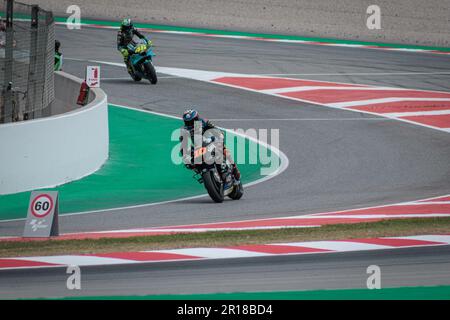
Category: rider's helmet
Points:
column 126, row 25
column 189, row 117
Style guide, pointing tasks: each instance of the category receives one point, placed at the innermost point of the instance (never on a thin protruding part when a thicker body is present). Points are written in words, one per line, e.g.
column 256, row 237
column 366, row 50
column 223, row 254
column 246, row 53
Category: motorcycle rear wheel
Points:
column 238, row 192
column 133, row 75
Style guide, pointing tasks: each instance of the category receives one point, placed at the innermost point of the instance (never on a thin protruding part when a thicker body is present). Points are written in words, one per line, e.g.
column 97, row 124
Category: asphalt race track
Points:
column 337, row 160
column 400, row 267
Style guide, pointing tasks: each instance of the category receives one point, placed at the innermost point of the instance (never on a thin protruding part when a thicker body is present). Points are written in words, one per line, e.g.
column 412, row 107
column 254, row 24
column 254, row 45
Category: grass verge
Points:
column 399, row 227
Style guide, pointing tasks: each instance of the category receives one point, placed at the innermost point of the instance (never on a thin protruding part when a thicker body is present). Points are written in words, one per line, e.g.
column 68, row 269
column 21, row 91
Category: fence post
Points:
column 31, row 85
column 9, row 43
column 49, row 64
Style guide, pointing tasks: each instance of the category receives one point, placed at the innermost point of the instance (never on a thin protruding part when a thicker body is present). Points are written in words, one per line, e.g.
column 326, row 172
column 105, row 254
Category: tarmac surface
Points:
column 398, row 268
column 338, row 160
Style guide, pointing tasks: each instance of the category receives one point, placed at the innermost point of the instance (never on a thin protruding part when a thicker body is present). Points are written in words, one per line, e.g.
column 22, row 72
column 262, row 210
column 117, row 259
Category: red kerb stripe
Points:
column 256, row 83
column 15, row 263
column 335, row 96
column 145, row 256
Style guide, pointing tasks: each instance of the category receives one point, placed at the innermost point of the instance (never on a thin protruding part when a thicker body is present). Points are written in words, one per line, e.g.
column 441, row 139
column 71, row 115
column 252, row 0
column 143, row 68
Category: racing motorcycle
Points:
column 218, row 179
column 141, row 61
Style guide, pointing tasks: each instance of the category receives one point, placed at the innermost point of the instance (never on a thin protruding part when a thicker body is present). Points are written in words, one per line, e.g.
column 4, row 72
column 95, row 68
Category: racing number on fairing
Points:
column 199, row 152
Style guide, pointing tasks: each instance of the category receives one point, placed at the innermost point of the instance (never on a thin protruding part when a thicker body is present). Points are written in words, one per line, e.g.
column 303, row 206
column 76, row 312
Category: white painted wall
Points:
column 51, row 151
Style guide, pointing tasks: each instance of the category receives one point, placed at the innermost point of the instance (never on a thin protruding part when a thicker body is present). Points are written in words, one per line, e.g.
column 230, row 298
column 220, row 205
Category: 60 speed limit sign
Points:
column 41, row 205
column 42, row 218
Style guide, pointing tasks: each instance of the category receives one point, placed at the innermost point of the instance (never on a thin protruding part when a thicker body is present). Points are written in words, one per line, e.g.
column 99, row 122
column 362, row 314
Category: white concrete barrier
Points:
column 52, row 151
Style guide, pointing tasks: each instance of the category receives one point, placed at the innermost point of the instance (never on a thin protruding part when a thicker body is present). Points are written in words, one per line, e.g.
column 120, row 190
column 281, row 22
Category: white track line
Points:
column 434, row 238
column 214, row 253
column 128, row 78
column 310, row 119
column 311, row 88
column 355, row 74
column 418, row 113
column 357, row 103
column 341, row 246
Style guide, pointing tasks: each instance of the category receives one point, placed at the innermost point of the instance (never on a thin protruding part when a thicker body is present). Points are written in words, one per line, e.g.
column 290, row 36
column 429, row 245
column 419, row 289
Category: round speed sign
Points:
column 42, row 205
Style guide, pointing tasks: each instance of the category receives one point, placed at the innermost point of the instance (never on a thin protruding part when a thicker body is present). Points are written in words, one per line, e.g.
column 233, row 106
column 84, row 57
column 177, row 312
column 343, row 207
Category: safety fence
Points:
column 27, row 42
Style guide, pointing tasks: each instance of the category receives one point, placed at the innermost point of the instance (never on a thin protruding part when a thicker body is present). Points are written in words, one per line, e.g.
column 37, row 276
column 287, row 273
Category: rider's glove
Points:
column 124, row 52
column 187, row 160
column 189, row 166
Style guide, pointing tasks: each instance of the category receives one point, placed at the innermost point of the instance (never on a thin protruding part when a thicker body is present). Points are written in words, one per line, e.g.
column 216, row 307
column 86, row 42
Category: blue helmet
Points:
column 189, row 117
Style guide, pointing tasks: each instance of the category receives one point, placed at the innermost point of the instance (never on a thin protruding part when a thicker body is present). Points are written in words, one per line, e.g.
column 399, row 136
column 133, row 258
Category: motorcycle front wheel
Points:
column 135, row 77
column 214, row 188
column 150, row 72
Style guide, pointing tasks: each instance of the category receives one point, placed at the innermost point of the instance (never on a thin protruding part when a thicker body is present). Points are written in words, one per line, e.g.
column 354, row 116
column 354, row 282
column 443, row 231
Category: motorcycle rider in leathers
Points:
column 124, row 37
column 190, row 116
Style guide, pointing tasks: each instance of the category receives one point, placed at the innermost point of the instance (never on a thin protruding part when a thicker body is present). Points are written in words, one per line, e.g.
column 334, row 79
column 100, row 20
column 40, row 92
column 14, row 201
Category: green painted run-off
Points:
column 139, row 169
column 402, row 293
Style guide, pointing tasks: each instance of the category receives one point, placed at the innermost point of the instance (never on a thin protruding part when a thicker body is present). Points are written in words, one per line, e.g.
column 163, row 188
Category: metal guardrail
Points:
column 27, row 42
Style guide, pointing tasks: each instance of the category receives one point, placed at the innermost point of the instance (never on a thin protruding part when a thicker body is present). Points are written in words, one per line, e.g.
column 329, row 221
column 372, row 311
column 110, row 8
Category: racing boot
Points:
column 129, row 68
column 236, row 173
column 226, row 173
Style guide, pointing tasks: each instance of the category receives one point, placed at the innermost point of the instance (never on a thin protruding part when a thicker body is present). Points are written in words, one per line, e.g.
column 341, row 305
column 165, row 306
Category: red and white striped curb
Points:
column 425, row 208
column 243, row 251
column 421, row 107
column 425, row 108
column 292, row 41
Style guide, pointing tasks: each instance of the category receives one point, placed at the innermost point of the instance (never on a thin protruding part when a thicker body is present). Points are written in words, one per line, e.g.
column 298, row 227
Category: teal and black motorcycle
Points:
column 141, row 60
